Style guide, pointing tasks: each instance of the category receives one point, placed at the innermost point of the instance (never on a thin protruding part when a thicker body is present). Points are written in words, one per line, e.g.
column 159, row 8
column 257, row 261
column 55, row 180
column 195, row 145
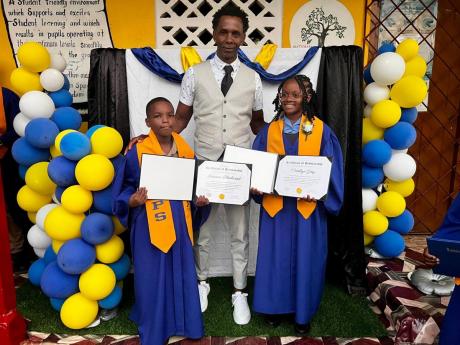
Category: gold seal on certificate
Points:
column 223, row 183
column 301, row 176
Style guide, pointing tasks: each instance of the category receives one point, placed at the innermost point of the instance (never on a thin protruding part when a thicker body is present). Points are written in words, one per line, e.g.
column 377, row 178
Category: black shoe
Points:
column 302, row 329
column 273, row 320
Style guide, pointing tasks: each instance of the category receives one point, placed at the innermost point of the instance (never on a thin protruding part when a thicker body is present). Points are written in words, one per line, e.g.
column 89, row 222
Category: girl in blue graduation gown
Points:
column 166, row 293
column 449, row 230
column 292, row 251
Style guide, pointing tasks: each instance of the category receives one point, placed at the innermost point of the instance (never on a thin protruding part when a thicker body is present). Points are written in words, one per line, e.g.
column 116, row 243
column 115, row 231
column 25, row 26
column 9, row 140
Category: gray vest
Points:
column 222, row 120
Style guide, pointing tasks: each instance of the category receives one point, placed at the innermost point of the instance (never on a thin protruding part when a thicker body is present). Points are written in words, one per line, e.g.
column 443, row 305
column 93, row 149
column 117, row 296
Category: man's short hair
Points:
column 153, row 101
column 230, row 9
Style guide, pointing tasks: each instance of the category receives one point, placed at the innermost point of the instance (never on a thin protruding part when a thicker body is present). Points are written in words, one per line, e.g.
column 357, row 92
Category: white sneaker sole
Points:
column 242, row 321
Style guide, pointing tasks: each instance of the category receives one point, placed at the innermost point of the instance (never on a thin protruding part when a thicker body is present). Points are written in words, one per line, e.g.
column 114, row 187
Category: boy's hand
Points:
column 201, row 201
column 255, row 191
column 138, row 198
column 134, row 141
column 308, row 199
column 430, row 260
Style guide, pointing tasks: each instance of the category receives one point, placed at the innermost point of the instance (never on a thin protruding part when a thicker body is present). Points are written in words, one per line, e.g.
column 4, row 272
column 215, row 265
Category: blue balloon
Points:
column 389, row 244
column 401, row 136
column 409, row 114
column 371, row 177
column 22, row 171
column 402, row 223
column 58, row 284
column 58, row 192
column 67, row 118
column 57, row 303
column 117, row 161
column 36, row 271
column 61, row 98
column 97, row 228
column 367, row 75
column 102, row 200
column 76, row 256
column 376, row 153
column 121, row 267
column 75, row 146
column 50, row 255
column 93, row 129
column 66, row 82
column 26, row 154
column 112, row 300
column 62, row 171
column 387, row 48
column 41, row 133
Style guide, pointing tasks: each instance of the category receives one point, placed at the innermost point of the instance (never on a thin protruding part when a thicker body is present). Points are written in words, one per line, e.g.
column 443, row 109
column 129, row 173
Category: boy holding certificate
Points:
column 166, row 294
column 292, row 251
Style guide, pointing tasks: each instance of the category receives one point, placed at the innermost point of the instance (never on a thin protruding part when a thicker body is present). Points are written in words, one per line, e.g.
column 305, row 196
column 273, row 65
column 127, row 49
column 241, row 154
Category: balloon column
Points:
column 81, row 256
column 394, row 88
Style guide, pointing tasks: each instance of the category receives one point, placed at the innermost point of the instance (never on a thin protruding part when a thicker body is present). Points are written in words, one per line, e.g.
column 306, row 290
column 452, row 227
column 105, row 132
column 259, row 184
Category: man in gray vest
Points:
column 225, row 98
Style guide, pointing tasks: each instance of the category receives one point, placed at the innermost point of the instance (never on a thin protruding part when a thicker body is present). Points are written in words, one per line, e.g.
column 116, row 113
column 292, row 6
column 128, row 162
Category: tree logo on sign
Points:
column 320, row 25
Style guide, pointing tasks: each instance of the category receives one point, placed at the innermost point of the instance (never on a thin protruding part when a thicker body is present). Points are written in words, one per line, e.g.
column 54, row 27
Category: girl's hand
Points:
column 430, row 260
column 255, row 191
column 138, row 198
column 308, row 199
column 201, row 201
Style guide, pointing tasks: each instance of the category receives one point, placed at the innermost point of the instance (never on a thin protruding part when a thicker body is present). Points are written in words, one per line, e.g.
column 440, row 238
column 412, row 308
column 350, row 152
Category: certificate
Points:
column 167, row 178
column 264, row 165
column 223, row 183
column 299, row 176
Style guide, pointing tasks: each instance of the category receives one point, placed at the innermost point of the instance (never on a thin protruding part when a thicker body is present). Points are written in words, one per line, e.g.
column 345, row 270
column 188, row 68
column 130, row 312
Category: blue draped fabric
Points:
column 153, row 62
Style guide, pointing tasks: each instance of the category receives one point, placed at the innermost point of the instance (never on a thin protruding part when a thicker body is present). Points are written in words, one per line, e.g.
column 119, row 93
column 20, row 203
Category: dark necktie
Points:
column 227, row 81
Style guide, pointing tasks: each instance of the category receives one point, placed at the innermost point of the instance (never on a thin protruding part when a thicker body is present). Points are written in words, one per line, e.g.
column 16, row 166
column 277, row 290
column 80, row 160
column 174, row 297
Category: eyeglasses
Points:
column 284, row 95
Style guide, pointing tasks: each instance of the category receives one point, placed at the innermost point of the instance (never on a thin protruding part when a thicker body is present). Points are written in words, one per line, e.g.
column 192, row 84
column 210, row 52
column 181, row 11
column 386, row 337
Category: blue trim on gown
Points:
column 165, row 284
column 292, row 251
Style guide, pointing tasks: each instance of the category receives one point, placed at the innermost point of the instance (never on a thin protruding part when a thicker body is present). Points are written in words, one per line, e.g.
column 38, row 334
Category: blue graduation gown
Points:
column 291, row 258
column 165, row 284
column 450, row 230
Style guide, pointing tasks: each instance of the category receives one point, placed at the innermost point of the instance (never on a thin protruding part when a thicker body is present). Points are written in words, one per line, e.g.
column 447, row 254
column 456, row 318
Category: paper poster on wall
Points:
column 67, row 27
column 322, row 23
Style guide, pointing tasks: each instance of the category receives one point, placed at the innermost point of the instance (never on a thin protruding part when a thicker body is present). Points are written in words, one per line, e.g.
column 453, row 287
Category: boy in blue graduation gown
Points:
column 449, row 230
column 166, row 293
column 292, row 251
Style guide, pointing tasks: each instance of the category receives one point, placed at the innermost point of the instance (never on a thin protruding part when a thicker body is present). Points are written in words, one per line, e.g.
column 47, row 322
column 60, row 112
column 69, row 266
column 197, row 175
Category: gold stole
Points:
column 308, row 146
column 2, row 113
column 159, row 214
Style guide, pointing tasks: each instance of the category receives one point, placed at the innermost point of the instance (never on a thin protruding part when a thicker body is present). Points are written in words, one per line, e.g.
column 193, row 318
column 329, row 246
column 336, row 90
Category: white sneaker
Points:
column 241, row 312
column 203, row 290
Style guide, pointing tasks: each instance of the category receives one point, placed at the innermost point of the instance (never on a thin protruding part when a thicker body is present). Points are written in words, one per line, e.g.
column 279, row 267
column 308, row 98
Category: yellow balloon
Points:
column 56, row 245
column 391, row 204
column 94, row 172
column 76, row 199
column 385, row 113
column 111, row 250
column 405, row 188
column 407, row 49
column 32, row 217
column 415, row 66
column 63, row 225
column 107, row 142
column 31, row 201
column 409, row 91
column 37, row 179
column 78, row 312
column 97, row 282
column 118, row 228
column 371, row 131
column 374, row 223
column 34, row 57
column 368, row 239
column 24, row 81
column 57, row 141
column 55, row 152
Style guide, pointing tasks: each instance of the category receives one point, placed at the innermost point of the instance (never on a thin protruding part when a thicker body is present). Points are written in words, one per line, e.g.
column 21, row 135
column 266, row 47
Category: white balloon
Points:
column 40, row 252
column 19, row 124
column 369, row 200
column 367, row 110
column 51, row 79
column 387, row 68
column 400, row 167
column 35, row 104
column 374, row 93
column 393, row 152
column 37, row 238
column 55, row 199
column 42, row 213
column 58, row 62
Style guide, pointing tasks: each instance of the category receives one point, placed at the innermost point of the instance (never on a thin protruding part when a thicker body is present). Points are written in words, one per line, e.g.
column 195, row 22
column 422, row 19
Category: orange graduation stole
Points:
column 159, row 214
column 308, row 146
column 2, row 113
